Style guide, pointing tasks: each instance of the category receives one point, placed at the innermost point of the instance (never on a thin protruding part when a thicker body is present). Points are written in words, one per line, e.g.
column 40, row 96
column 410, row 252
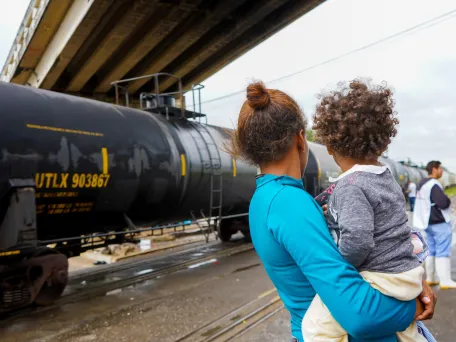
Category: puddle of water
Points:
column 202, row 263
column 149, row 270
column 113, row 292
column 91, row 337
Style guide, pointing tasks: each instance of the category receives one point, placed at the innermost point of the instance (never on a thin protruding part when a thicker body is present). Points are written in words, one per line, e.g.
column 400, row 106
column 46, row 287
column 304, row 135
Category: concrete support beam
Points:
column 81, row 46
column 80, row 36
column 252, row 37
column 72, row 19
column 47, row 28
column 32, row 17
column 227, row 31
column 132, row 12
column 162, row 22
column 40, row 23
column 201, row 23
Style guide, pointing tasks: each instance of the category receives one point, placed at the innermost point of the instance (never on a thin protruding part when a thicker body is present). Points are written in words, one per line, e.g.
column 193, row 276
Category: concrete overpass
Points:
column 81, row 46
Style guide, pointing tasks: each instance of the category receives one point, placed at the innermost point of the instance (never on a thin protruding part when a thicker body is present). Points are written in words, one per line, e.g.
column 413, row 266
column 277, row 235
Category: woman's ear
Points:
column 301, row 140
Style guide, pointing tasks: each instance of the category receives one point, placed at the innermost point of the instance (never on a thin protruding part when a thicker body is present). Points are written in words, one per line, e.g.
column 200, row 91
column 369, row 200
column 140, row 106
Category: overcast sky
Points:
column 420, row 66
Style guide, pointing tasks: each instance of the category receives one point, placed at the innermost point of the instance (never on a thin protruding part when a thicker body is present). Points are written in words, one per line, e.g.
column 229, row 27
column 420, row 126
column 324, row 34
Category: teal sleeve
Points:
column 298, row 224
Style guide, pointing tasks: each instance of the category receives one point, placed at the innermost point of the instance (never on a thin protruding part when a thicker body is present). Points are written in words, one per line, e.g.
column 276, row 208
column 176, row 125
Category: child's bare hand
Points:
column 325, row 208
column 417, row 244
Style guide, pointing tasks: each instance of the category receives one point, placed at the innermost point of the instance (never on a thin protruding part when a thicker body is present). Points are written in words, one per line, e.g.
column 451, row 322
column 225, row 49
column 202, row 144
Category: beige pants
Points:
column 319, row 325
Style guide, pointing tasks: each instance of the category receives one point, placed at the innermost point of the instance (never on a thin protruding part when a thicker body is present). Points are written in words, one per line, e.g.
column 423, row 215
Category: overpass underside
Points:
column 81, row 46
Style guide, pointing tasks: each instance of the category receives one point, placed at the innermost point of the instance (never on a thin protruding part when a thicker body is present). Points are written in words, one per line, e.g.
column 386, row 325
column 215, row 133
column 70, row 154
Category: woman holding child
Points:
column 366, row 285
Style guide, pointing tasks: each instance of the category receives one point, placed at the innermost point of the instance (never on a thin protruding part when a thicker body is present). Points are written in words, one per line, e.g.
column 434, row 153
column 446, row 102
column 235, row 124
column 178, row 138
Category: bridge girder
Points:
column 81, row 46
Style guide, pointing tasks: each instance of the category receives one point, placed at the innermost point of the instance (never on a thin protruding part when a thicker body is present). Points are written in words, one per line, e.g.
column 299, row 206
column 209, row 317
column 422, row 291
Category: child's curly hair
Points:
column 356, row 121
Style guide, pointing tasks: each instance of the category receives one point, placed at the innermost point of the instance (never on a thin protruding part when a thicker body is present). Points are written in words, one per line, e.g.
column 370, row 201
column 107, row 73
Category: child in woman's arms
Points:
column 366, row 208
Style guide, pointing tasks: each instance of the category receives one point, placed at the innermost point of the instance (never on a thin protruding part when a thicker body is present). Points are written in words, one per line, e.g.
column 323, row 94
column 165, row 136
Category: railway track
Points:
column 239, row 321
column 100, row 282
column 183, row 251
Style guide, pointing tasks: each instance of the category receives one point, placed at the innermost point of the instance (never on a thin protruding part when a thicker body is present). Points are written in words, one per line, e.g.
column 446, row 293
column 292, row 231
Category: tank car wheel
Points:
column 225, row 231
column 245, row 230
column 51, row 291
column 54, row 286
column 247, row 236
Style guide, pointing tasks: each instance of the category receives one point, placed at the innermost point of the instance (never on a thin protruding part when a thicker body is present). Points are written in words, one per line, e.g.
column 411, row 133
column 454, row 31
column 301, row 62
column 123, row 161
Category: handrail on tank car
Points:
column 156, row 86
column 197, row 87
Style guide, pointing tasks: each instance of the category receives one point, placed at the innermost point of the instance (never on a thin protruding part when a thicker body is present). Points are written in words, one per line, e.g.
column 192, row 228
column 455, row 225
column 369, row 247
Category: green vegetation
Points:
column 450, row 192
column 310, row 135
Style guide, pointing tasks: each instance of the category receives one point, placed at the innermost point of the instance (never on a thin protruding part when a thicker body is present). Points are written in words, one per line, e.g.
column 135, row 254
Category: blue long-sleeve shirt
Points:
column 291, row 237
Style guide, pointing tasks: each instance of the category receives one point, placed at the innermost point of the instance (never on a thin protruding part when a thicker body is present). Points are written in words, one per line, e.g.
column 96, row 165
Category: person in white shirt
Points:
column 411, row 191
column 432, row 214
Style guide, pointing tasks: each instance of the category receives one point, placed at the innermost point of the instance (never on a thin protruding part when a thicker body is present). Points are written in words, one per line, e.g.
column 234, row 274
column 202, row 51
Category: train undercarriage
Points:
column 32, row 273
column 28, row 273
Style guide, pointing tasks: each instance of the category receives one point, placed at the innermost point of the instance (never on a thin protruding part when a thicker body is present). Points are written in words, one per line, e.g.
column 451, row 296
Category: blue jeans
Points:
column 412, row 203
column 439, row 239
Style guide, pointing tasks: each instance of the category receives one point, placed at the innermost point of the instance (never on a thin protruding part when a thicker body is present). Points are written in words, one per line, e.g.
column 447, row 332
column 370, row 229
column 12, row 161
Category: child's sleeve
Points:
column 323, row 198
column 355, row 218
column 424, row 252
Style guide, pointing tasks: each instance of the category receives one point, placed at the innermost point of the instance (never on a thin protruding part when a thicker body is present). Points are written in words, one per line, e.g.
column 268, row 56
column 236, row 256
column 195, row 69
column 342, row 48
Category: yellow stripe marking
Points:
column 183, row 165
column 318, row 169
column 104, row 154
column 64, row 130
column 264, row 294
column 234, row 168
column 10, row 253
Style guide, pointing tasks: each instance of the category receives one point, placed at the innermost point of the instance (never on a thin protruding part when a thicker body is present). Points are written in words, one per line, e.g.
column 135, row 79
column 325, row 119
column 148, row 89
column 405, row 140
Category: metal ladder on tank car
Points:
column 205, row 142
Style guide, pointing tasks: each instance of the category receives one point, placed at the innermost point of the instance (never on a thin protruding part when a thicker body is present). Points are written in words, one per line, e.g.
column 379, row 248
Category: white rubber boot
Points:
column 431, row 276
column 443, row 267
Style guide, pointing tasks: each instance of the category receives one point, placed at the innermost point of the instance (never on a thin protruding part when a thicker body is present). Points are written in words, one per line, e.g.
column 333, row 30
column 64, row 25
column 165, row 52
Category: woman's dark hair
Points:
column 268, row 121
column 356, row 121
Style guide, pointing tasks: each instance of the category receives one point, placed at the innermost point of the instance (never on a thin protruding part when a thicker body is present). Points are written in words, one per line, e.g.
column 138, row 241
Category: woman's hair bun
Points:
column 257, row 95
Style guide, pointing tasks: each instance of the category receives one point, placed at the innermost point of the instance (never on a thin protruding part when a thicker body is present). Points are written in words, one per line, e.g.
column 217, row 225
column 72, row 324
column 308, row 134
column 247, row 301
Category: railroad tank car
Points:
column 402, row 174
column 423, row 172
column 452, row 179
column 445, row 179
column 397, row 169
column 413, row 174
column 321, row 168
column 448, row 178
column 391, row 164
column 94, row 163
column 94, row 167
